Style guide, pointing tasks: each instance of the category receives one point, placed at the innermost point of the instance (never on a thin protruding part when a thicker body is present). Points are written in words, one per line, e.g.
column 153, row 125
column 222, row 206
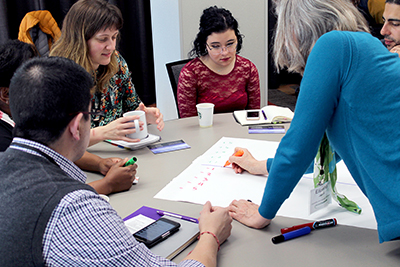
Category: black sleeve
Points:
column 5, row 135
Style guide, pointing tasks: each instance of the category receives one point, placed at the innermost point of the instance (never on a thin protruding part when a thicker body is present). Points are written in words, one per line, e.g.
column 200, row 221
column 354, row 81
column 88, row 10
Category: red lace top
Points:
column 240, row 89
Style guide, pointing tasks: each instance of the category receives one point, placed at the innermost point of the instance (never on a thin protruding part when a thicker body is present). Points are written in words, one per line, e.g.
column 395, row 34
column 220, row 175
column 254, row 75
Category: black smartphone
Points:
column 253, row 115
column 157, row 232
column 273, row 129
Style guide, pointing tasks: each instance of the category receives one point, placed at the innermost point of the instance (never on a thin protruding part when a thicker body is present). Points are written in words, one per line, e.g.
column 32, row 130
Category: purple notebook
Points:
column 153, row 214
column 146, row 211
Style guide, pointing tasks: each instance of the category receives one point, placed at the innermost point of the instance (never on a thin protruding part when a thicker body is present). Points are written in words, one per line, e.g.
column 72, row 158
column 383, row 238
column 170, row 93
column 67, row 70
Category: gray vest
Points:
column 30, row 189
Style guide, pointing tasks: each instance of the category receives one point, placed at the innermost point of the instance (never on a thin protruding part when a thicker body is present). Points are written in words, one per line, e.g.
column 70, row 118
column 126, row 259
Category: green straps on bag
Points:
column 325, row 171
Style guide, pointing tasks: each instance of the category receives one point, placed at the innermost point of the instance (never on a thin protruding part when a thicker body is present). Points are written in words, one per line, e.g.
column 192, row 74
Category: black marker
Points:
column 296, row 233
column 312, row 225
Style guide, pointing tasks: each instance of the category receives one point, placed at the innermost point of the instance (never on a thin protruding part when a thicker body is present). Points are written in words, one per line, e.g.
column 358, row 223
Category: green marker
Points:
column 131, row 161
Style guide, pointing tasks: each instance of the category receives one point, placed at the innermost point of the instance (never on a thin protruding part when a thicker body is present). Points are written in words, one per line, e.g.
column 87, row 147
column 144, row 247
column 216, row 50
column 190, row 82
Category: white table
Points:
column 337, row 246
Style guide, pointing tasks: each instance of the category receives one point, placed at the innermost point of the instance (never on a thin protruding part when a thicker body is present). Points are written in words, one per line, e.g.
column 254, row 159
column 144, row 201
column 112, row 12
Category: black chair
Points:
column 174, row 69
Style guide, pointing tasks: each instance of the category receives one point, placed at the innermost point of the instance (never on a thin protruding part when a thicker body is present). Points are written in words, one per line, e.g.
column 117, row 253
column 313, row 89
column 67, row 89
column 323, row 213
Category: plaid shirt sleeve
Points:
column 84, row 230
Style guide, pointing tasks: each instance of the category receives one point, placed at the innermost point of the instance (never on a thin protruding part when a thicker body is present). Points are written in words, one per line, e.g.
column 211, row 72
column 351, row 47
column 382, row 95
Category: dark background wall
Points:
column 136, row 35
column 276, row 79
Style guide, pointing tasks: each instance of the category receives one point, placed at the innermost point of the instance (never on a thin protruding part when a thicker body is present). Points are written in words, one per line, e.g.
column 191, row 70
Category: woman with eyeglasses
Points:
column 89, row 37
column 218, row 74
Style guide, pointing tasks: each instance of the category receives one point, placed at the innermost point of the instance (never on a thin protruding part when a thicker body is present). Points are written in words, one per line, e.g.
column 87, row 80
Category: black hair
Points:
column 214, row 20
column 45, row 95
column 12, row 54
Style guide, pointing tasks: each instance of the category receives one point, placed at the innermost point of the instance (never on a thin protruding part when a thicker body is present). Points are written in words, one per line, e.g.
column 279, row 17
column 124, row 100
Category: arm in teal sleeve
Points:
column 310, row 168
column 269, row 163
column 318, row 98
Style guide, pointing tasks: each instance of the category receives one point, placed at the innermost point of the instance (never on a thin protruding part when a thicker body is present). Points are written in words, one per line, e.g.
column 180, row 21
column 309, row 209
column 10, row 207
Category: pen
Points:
column 131, row 161
column 190, row 219
column 312, row 225
column 238, row 153
column 290, row 235
column 265, row 116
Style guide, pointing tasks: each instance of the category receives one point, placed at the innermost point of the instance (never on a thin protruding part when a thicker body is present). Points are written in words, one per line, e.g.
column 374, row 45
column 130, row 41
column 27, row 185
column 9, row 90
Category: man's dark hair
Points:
column 45, row 95
column 214, row 20
column 12, row 54
column 397, row 2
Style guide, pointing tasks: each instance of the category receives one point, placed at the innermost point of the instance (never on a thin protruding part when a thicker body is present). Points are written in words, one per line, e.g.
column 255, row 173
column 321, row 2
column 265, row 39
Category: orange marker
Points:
column 238, row 153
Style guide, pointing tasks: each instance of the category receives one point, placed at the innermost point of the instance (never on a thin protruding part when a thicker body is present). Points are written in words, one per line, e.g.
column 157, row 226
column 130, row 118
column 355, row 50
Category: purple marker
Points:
column 290, row 235
column 265, row 116
column 190, row 219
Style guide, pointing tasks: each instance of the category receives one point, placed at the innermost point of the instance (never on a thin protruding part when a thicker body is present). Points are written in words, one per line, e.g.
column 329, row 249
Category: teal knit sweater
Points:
column 351, row 90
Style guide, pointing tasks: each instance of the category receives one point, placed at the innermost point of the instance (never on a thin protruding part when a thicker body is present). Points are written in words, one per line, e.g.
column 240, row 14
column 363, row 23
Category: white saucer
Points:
column 151, row 138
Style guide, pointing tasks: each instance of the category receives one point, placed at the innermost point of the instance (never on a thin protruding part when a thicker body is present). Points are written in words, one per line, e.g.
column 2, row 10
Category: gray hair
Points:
column 301, row 22
column 396, row 2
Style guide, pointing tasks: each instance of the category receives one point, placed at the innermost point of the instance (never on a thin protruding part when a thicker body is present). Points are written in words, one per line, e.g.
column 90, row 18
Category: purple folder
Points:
column 146, row 211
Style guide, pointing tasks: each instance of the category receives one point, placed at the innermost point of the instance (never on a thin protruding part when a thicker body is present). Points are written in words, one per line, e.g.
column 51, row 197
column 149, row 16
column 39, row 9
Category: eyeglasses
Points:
column 94, row 113
column 217, row 49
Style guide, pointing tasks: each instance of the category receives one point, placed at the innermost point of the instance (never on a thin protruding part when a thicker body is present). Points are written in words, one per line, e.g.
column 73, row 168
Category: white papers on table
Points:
column 207, row 180
column 138, row 223
column 200, row 183
column 297, row 205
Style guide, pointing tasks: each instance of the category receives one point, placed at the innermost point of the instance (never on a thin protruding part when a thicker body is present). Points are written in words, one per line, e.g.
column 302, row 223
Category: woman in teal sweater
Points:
column 350, row 90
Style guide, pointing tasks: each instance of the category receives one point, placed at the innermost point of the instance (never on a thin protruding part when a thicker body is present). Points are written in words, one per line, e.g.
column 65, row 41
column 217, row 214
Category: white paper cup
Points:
column 139, row 134
column 205, row 112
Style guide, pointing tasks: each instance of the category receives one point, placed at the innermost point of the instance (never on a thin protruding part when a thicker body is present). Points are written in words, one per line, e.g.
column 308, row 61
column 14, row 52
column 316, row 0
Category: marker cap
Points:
column 131, row 161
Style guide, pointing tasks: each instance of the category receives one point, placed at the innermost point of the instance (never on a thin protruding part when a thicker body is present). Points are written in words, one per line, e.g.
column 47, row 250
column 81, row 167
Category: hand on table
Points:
column 106, row 164
column 247, row 162
column 118, row 178
column 153, row 116
column 247, row 213
column 215, row 220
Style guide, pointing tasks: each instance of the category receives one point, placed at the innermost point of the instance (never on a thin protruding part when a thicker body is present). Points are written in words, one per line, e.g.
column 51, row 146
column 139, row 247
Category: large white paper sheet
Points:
column 200, row 183
column 207, row 180
column 297, row 205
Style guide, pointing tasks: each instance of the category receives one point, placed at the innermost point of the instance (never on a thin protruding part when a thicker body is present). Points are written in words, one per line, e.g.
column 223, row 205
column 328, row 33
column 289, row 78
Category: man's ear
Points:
column 74, row 126
column 4, row 96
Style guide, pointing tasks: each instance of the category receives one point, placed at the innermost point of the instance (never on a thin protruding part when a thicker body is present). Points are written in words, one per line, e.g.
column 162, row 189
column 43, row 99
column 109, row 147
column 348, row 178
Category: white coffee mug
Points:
column 139, row 134
column 205, row 112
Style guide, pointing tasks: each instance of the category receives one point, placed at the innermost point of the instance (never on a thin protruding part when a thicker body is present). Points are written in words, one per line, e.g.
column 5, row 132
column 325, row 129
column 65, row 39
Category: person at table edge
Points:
column 350, row 90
